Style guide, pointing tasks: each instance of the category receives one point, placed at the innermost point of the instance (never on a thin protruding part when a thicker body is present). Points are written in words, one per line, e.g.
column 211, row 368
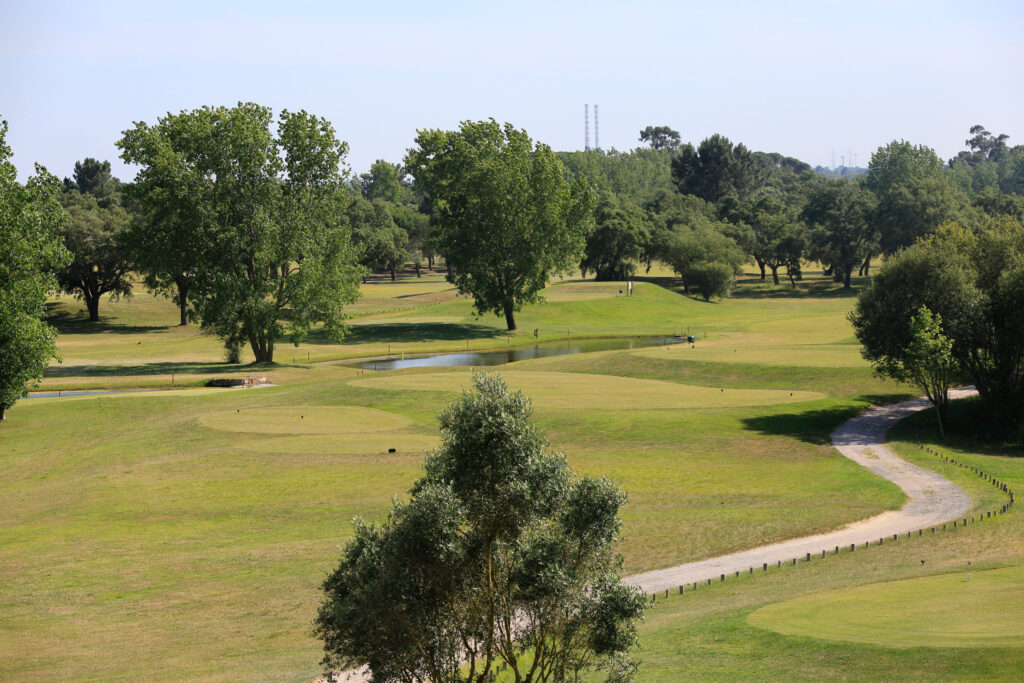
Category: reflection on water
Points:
column 501, row 357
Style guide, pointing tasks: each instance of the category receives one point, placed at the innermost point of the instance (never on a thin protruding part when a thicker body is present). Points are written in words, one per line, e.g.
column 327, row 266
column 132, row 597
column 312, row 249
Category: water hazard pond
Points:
column 510, row 355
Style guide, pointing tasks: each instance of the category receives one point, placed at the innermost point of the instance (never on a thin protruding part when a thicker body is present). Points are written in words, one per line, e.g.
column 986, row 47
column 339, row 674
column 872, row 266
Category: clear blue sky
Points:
column 800, row 78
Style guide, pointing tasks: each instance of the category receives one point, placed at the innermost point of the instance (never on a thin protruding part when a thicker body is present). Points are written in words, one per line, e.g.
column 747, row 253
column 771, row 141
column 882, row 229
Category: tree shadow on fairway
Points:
column 816, row 426
column 152, row 369
column 79, row 323
column 805, row 289
column 396, row 333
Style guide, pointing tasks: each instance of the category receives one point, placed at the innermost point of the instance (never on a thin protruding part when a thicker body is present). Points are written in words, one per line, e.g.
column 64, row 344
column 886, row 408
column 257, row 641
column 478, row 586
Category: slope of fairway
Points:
column 976, row 609
column 791, row 355
column 170, row 537
column 305, row 420
column 566, row 390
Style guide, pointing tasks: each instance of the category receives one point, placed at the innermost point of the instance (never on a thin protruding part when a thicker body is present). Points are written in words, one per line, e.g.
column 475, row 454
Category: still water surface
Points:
column 503, row 356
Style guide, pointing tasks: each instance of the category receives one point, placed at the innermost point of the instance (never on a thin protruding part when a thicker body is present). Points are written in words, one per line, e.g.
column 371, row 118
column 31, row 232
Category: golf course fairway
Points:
column 597, row 392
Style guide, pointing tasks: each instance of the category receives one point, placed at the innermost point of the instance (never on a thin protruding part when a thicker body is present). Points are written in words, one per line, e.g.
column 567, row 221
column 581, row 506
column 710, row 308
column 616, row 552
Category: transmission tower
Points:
column 597, row 139
column 586, row 127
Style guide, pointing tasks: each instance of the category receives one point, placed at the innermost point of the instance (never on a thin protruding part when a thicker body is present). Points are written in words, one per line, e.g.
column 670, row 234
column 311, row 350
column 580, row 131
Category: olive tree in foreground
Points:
column 30, row 252
column 260, row 213
column 505, row 218
column 501, row 556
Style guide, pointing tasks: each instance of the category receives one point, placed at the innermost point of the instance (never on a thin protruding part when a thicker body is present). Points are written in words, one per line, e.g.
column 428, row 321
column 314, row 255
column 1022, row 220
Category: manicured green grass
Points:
column 567, row 390
column 166, row 537
column 972, row 609
column 705, row 634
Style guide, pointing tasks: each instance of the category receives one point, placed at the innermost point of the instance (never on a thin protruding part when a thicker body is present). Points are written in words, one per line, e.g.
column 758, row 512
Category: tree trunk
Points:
column 430, row 263
column 418, row 269
column 775, row 274
column 92, row 303
column 3, row 413
column 393, row 277
column 262, row 348
column 847, row 273
column 510, row 318
column 760, row 264
column 182, row 286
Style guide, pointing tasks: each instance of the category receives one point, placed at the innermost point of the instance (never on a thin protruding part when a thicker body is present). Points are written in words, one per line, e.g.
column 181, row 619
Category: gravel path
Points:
column 932, row 500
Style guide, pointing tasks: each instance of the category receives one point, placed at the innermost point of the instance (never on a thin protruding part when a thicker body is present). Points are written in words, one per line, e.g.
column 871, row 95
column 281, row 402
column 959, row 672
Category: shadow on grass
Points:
column 410, row 332
column 809, row 289
column 812, row 426
column 79, row 323
column 816, row 426
column 971, row 425
column 149, row 369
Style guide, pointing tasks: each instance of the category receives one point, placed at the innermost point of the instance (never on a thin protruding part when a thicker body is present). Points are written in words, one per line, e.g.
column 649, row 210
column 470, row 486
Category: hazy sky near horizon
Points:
column 806, row 79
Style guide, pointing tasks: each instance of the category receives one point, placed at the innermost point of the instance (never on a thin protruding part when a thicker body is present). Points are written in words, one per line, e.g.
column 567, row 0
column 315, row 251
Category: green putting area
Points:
column 566, row 390
column 965, row 609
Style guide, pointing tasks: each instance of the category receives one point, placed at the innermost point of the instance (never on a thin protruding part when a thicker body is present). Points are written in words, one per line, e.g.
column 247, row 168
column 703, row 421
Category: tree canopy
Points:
column 501, row 555
column 100, row 264
column 505, row 217
column 842, row 234
column 898, row 162
column 716, row 168
column 30, row 220
column 376, row 233
column 974, row 283
column 267, row 210
column 660, row 137
column 618, row 241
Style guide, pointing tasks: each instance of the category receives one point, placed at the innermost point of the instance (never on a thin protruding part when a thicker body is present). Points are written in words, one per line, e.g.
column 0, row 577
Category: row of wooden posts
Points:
column 1003, row 509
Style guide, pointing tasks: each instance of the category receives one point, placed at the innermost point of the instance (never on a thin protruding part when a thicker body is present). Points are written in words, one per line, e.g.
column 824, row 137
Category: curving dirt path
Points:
column 932, row 500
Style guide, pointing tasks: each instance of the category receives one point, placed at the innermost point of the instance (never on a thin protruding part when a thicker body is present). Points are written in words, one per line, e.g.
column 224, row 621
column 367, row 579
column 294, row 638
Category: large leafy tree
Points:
column 914, row 208
column 660, row 137
column 94, row 234
column 778, row 234
column 92, row 176
column 716, row 168
column 842, row 234
column 383, row 243
column 505, row 216
column 268, row 211
column 898, row 162
column 618, row 241
column 384, row 181
column 501, row 556
column 974, row 282
column 169, row 237
column 417, row 226
column 30, row 219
